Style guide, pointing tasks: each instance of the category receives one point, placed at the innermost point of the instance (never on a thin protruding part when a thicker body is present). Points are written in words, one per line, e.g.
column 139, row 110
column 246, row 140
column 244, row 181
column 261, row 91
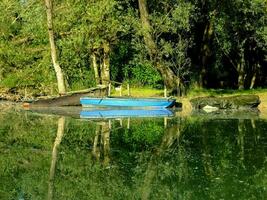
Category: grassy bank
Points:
column 262, row 93
column 150, row 92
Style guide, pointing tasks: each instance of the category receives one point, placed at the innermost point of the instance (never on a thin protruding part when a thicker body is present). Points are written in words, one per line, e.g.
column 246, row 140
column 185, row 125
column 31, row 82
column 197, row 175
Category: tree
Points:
column 219, row 44
column 58, row 70
column 163, row 31
column 233, row 32
column 24, row 61
column 229, row 47
column 103, row 23
column 167, row 74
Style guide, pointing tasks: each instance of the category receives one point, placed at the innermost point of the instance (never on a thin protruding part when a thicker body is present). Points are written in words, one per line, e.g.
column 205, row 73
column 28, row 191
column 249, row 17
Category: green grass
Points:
column 222, row 92
column 196, row 92
column 139, row 92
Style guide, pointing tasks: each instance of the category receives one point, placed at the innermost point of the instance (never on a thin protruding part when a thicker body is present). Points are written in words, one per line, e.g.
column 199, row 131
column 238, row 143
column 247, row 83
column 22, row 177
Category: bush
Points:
column 143, row 75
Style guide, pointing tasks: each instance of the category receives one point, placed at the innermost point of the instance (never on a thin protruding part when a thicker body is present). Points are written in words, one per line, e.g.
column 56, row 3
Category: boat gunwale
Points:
column 128, row 98
column 111, row 107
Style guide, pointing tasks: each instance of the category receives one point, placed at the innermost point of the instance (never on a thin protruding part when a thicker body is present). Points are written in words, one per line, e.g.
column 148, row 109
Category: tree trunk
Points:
column 253, row 79
column 252, row 82
column 167, row 74
column 181, row 90
column 205, row 53
column 241, row 77
column 241, row 72
column 95, row 66
column 105, row 72
column 202, row 74
column 149, row 41
column 58, row 70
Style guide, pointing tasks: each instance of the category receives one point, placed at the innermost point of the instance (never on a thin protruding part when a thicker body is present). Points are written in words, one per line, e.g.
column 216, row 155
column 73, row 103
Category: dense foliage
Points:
column 209, row 43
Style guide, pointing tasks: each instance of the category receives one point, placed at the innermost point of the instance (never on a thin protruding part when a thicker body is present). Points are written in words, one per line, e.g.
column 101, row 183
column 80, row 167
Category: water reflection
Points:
column 170, row 137
column 122, row 113
column 59, row 136
column 101, row 144
column 197, row 157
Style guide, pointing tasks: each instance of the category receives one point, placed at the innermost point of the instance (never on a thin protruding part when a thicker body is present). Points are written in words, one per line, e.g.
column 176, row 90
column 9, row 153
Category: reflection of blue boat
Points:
column 127, row 102
column 93, row 114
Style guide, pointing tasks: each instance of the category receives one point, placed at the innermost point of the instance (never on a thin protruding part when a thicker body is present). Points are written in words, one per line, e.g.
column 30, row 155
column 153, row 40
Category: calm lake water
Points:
column 202, row 156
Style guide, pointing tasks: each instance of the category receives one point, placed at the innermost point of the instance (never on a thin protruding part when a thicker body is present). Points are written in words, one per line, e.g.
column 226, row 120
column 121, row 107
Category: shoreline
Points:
column 186, row 105
column 263, row 105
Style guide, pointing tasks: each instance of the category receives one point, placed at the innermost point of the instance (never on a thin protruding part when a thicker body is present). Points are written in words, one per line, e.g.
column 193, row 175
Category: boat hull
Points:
column 127, row 102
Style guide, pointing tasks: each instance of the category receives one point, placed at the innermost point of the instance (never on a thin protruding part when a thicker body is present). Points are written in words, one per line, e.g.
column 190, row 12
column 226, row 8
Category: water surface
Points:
column 203, row 156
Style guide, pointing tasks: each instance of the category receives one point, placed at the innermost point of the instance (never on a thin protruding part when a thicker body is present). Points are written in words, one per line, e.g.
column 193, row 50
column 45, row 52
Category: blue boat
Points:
column 127, row 102
column 122, row 113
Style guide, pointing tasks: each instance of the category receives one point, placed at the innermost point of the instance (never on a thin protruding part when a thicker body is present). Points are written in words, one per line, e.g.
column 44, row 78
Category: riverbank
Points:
column 263, row 106
column 262, row 93
column 186, row 105
column 187, row 108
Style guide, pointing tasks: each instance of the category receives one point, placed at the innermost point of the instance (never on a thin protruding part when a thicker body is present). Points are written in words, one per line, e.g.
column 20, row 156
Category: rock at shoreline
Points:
column 232, row 102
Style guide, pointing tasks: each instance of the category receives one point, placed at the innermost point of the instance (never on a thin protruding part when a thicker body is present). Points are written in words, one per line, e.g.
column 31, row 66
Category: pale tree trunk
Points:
column 253, row 79
column 95, row 66
column 105, row 71
column 58, row 70
column 241, row 66
column 252, row 83
column 241, row 75
column 241, row 71
column 167, row 74
column 60, row 133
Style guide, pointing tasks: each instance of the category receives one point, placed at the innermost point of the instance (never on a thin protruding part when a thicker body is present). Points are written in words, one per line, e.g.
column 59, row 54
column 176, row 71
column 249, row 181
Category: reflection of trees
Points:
column 171, row 137
column 230, row 150
column 260, row 178
column 24, row 161
column 220, row 156
column 60, row 133
column 206, row 154
column 101, row 145
column 240, row 138
column 156, row 165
